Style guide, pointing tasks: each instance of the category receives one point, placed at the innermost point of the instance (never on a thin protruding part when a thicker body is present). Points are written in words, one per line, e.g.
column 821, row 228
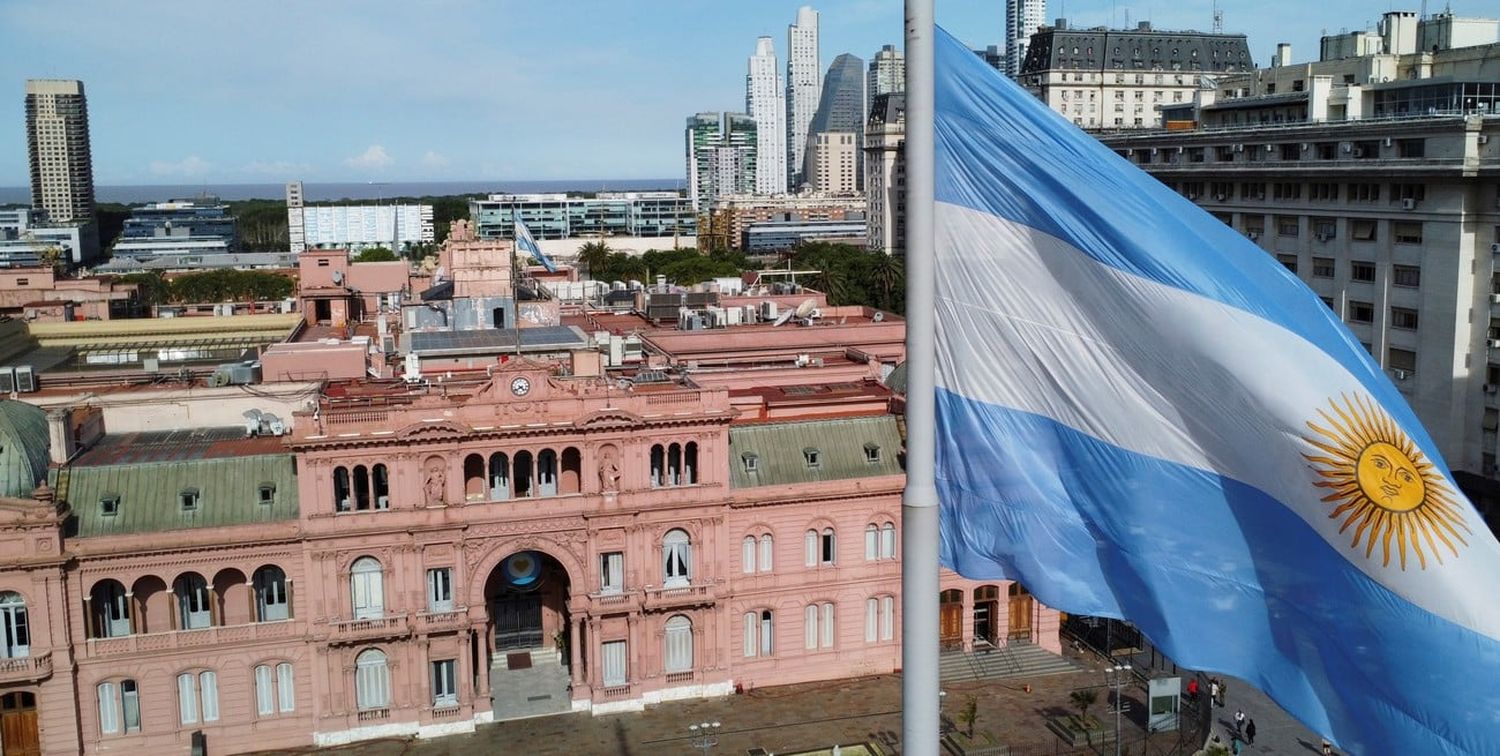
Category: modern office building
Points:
column 57, row 138
column 993, row 56
column 833, row 159
column 1113, row 79
column 804, row 85
column 765, row 101
column 885, row 174
column 887, row 74
column 841, row 109
column 721, row 156
column 354, row 227
column 1373, row 178
column 198, row 226
column 295, row 230
column 1022, row 19
column 724, row 225
column 607, row 214
column 27, row 238
column 786, row 232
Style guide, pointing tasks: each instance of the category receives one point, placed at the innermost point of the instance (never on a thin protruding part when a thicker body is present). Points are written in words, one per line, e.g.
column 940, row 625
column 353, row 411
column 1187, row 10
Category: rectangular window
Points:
column 1403, row 360
column 1286, row 191
column 1407, row 232
column 189, row 500
column 614, row 663
column 1406, row 275
column 1404, row 318
column 1323, row 267
column 1413, row 192
column 1325, row 228
column 1411, row 148
column 1287, row 225
column 766, row 548
column 1364, row 192
column 208, row 691
column 1361, row 312
column 751, row 631
column 1362, row 229
column 444, row 683
column 872, row 619
column 887, row 618
column 109, row 709
column 440, row 589
column 1290, row 261
column 286, row 691
column 1362, row 271
column 130, row 705
column 830, row 628
column 810, row 627
column 187, row 698
column 265, row 692
column 612, row 572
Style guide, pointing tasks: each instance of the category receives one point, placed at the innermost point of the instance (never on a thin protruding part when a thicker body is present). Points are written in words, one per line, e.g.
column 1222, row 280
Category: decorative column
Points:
column 254, row 609
column 90, row 632
column 575, row 653
column 290, row 612
column 173, row 609
column 214, row 615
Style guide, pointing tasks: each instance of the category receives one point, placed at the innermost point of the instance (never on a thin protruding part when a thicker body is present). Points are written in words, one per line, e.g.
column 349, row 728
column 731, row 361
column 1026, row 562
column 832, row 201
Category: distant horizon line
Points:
column 375, row 183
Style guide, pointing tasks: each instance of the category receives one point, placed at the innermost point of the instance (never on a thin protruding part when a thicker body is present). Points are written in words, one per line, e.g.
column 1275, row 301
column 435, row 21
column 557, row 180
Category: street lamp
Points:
column 1118, row 673
column 942, row 723
column 705, row 735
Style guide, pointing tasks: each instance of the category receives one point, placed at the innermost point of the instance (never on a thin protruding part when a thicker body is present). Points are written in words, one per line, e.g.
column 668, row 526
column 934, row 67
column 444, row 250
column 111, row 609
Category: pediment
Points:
column 610, row 418
column 433, row 430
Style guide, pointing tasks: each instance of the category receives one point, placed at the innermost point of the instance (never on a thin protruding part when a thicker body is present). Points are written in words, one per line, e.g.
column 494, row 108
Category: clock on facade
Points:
column 520, row 386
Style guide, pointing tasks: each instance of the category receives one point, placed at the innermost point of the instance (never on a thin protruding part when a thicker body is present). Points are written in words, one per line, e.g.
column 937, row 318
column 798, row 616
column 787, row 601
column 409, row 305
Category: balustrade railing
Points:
column 26, row 668
column 194, row 638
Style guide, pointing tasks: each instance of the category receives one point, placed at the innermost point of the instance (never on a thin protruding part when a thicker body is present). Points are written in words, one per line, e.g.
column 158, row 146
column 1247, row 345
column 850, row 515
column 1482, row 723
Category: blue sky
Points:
column 346, row 90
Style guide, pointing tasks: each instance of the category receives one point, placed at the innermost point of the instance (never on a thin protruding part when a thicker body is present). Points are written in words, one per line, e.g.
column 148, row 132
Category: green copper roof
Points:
column 147, row 497
column 23, row 448
column 809, row 451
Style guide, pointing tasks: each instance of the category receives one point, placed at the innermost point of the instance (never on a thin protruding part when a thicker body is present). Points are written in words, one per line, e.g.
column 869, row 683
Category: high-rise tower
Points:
column 887, row 74
column 57, row 136
column 764, row 102
column 804, row 84
column 1022, row 17
column 841, row 109
column 721, row 157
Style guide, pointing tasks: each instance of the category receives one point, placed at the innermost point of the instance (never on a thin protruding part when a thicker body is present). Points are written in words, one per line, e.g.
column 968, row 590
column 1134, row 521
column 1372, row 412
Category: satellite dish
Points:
column 338, row 277
column 878, row 316
column 784, row 317
column 252, row 421
column 807, row 308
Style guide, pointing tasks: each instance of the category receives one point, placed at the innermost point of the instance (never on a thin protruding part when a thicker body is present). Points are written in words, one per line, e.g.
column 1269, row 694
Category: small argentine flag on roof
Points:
column 1141, row 414
column 527, row 244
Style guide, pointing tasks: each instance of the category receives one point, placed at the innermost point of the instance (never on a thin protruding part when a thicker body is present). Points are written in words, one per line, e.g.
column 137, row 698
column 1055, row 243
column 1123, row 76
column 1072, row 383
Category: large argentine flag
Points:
column 527, row 244
column 1142, row 415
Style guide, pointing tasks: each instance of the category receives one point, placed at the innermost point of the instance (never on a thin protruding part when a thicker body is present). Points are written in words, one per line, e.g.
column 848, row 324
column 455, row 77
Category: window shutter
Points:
column 887, row 614
column 872, row 543
column 264, row 698
column 187, row 699
column 286, row 691
column 810, row 548
column 766, row 549
column 872, row 618
column 208, row 689
column 750, row 634
column 109, row 710
column 614, row 663
column 829, row 628
column 810, row 626
column 747, row 555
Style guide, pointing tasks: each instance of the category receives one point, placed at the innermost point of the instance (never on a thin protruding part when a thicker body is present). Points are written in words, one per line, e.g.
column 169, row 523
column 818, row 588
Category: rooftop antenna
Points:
column 1218, row 19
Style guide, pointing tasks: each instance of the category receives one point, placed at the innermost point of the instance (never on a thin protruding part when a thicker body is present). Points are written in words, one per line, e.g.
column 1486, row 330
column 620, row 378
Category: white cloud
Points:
column 374, row 158
column 432, row 159
column 284, row 168
column 192, row 165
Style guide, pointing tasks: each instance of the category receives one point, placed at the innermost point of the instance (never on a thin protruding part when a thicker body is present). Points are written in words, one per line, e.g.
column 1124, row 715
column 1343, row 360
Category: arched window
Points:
column 810, row 626
column 677, row 557
column 819, row 548
column 872, row 542
column 474, row 488
column 766, row 633
column 747, row 555
column 361, row 488
column 571, row 480
column 274, row 689
column 341, row 500
column 546, row 472
column 372, row 680
column 111, row 609
column 194, row 610
column 758, row 633
column 272, row 603
column 830, row 628
column 381, row 480
column 766, row 549
column 880, row 612
column 198, row 693
column 679, row 645
column 499, row 477
column 810, row 548
column 888, row 541
column 674, row 465
column 367, row 586
column 119, row 707
column 658, row 465
column 15, row 631
column 690, row 463
column 521, row 473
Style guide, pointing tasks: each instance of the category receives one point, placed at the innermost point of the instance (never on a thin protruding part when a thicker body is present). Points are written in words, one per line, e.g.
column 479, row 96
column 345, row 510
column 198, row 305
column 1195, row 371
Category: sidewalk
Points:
column 1275, row 731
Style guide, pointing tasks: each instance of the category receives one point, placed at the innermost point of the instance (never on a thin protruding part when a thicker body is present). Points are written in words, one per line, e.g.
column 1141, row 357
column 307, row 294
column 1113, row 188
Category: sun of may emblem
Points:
column 1382, row 486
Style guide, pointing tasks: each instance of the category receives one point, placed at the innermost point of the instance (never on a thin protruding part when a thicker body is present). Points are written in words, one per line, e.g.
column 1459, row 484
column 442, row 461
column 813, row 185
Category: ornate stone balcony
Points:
column 668, row 597
column 613, row 602
column 353, row 631
column 443, row 621
column 26, row 668
column 178, row 639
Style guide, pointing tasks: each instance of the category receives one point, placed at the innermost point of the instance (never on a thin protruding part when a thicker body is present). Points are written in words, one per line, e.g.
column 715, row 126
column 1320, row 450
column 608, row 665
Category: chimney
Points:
column 60, row 441
column 1283, row 55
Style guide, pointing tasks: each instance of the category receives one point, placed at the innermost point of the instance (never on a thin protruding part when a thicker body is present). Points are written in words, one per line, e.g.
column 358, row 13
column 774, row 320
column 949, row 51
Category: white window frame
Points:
column 887, row 618
column 872, row 619
column 265, row 691
column 197, row 697
column 872, row 542
column 828, row 547
column 367, row 588
column 677, row 651
column 767, row 632
column 272, row 601
column 810, row 627
column 748, row 549
column 372, row 680
column 109, row 708
column 444, row 682
column 751, row 634
column 810, row 548
column 286, row 687
column 440, row 589
column 15, row 626
column 615, row 668
column 830, row 627
column 767, row 548
column 612, row 572
column 677, row 558
column 888, row 541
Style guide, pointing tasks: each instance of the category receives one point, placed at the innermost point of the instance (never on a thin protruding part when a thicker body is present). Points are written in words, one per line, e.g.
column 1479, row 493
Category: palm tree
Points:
column 1083, row 699
column 594, row 256
column 833, row 283
column 887, row 273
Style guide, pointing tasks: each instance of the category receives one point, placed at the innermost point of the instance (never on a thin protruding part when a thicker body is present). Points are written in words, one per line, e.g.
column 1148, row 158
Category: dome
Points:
column 23, row 448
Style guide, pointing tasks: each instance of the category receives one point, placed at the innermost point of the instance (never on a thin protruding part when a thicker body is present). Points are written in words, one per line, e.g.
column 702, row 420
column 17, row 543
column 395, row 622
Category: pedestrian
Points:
column 1250, row 731
column 1213, row 691
column 1223, row 692
column 1239, row 723
column 1327, row 748
column 1193, row 689
column 1235, row 742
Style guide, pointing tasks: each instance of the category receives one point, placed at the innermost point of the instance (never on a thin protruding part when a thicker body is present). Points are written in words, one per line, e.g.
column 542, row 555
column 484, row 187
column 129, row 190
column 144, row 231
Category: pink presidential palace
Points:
column 446, row 496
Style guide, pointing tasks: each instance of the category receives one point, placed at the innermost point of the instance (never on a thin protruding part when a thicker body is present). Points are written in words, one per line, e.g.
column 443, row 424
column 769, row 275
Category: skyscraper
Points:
column 57, row 136
column 764, row 103
column 721, row 156
column 804, row 83
column 841, row 109
column 1022, row 17
column 887, row 74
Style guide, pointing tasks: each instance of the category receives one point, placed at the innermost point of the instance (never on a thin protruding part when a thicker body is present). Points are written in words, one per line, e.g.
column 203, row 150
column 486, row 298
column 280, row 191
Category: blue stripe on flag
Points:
column 1001, row 151
column 1218, row 574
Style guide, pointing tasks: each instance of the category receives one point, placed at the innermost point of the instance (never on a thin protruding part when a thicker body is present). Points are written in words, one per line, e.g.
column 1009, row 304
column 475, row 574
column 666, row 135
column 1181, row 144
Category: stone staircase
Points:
column 536, row 691
column 1016, row 659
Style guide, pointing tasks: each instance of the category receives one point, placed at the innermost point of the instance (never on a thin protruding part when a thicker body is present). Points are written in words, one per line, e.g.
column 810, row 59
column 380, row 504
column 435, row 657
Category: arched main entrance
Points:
column 986, row 609
column 19, row 735
column 526, row 596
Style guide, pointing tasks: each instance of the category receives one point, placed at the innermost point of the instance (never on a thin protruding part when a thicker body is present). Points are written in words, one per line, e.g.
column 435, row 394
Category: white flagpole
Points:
column 919, row 506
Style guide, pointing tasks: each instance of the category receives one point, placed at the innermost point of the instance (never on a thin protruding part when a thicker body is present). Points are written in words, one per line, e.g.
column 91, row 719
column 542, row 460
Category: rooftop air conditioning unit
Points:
column 1489, row 388
column 25, row 379
column 1494, row 343
column 1253, row 235
column 1408, row 203
column 1495, row 248
column 7, row 380
column 1400, row 374
column 1218, row 197
column 1495, row 299
column 1239, row 148
column 1388, row 141
column 1323, row 237
column 1359, row 152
